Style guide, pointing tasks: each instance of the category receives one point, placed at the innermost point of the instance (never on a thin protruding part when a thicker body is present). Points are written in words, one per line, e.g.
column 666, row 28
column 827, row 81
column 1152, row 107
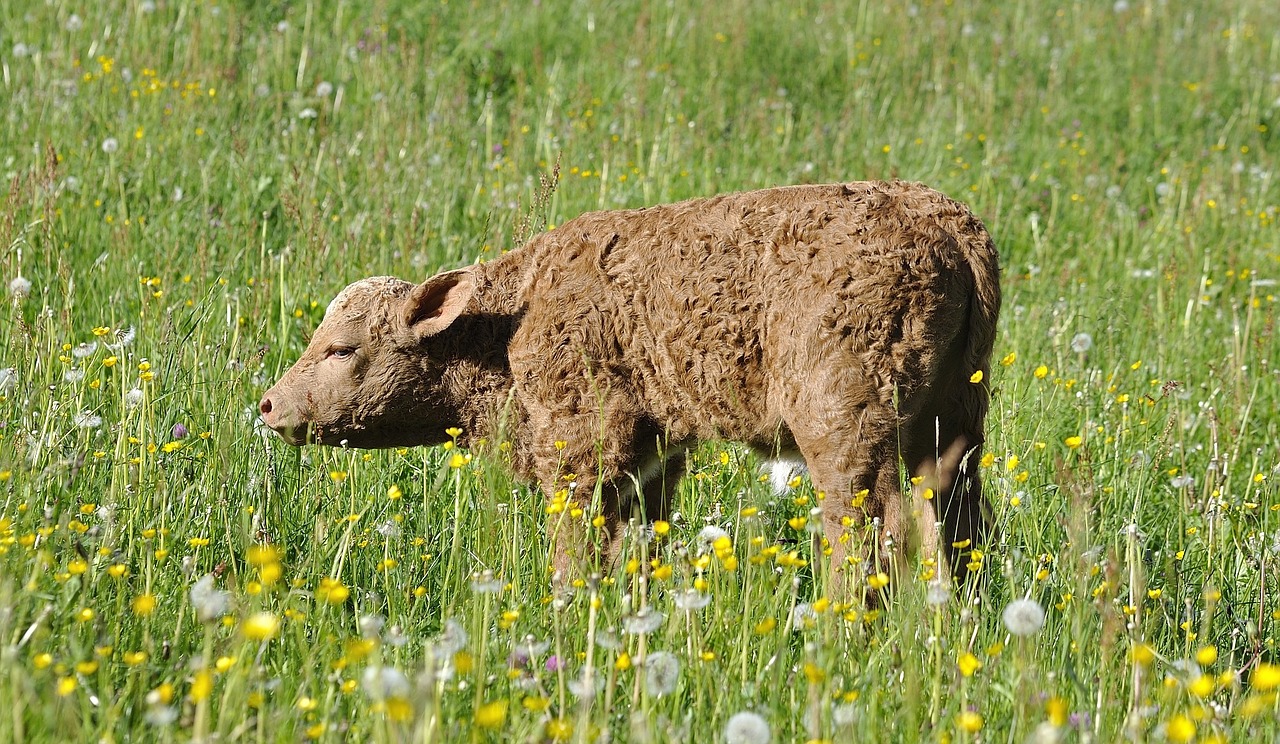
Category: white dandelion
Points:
column 691, row 600
column 1023, row 617
column 209, row 603
column 1184, row 480
column 87, row 420
column 20, row 287
column 133, row 398
column 110, row 145
column 324, row 88
column 643, row 622
column 747, row 727
column 707, row 537
column 84, row 350
column 384, row 682
column 73, row 375
column 1081, row 342
column 485, row 582
column 452, row 640
column 661, row 673
column 308, row 113
column 74, row 23
column 938, row 593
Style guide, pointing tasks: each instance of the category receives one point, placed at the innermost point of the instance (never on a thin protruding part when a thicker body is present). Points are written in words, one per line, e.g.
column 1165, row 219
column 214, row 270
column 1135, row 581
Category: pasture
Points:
column 187, row 185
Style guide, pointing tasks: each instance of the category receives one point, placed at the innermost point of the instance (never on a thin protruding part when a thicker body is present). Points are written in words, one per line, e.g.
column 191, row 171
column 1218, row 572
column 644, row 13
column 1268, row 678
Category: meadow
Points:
column 187, row 184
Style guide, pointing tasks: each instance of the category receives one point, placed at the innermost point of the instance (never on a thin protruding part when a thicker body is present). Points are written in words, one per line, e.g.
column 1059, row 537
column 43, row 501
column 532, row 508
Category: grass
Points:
column 189, row 184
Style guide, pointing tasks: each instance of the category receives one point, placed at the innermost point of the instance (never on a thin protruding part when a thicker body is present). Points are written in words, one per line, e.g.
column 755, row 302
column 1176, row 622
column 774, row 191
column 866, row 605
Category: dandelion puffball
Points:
column 1024, row 617
column 747, row 728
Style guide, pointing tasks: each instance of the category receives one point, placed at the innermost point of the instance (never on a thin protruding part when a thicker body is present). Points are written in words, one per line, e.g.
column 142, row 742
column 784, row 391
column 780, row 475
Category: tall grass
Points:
column 188, row 184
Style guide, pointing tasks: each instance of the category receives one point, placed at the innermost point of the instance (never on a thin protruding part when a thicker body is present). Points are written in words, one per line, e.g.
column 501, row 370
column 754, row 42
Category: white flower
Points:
column 133, row 398
column 938, row 593
column 307, row 113
column 110, row 145
column 159, row 714
column 73, row 375
column 747, row 728
column 802, row 617
column 1081, row 342
column 579, row 688
column 371, row 625
column 209, row 603
column 123, row 338
column 452, row 640
column 389, row 529
column 661, row 673
column 21, row 50
column 382, row 682
column 643, row 622
column 147, row 6
column 1183, row 481
column 84, row 350
column 8, row 376
column 707, row 537
column 324, row 88
column 484, row 582
column 74, row 23
column 20, row 286
column 87, row 420
column 691, row 599
column 1023, row 617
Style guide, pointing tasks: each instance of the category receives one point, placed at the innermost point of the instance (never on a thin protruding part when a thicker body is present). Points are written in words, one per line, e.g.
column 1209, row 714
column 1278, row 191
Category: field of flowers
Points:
column 187, row 184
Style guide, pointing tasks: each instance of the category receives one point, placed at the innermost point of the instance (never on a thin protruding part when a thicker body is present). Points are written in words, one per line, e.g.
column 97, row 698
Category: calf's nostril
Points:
column 265, row 406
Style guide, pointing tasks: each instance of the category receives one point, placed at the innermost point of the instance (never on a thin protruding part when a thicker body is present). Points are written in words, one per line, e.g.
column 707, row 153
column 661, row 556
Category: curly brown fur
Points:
column 838, row 322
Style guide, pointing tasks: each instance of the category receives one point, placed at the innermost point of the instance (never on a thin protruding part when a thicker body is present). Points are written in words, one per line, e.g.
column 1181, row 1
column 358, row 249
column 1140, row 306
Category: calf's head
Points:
column 366, row 379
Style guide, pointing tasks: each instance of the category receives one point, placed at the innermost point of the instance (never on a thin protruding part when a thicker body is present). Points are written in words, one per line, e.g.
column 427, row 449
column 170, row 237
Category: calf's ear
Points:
column 437, row 302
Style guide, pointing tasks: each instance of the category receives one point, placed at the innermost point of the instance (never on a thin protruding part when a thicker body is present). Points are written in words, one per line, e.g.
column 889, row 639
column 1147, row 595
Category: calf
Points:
column 842, row 324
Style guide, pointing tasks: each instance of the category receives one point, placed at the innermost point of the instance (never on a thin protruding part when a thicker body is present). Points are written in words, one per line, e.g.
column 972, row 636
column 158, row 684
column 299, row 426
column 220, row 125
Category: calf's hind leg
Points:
column 944, row 445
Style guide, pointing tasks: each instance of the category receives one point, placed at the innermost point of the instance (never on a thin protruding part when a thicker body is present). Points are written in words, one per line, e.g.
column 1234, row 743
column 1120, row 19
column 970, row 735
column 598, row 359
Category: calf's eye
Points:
column 341, row 352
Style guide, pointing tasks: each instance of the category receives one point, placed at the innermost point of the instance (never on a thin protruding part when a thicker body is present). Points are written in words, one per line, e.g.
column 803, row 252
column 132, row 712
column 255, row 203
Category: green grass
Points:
column 210, row 174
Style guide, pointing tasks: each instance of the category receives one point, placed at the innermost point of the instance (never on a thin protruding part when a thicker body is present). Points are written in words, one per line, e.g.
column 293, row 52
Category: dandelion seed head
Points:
column 691, row 600
column 1185, row 480
column 308, row 113
column 87, row 420
column 938, row 593
column 707, row 537
column 371, row 625
column 1081, row 342
column 20, row 287
column 1023, row 617
column 110, row 145
column 133, row 398
column 747, row 727
column 452, row 640
column 324, row 89
column 662, row 673
column 643, row 622
column 74, row 23
column 209, row 603
column 73, row 375
column 580, row 688
column 159, row 714
column 85, row 349
column 485, row 582
column 384, row 682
